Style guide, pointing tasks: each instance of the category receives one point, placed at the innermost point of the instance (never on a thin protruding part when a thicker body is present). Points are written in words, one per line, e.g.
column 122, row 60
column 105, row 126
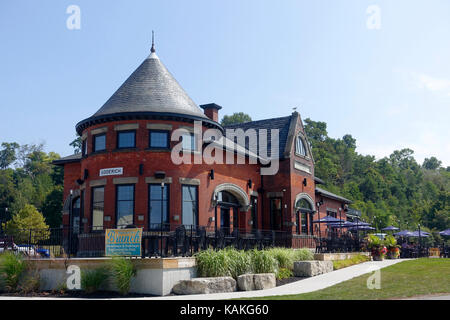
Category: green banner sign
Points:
column 123, row 242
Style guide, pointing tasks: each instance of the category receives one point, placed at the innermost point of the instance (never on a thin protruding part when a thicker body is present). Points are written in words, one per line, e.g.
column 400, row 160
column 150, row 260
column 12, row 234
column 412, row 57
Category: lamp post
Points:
column 420, row 240
column 162, row 213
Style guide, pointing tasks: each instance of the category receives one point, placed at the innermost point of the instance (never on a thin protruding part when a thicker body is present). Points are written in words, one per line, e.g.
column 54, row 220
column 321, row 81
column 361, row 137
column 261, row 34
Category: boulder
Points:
column 312, row 268
column 245, row 282
column 205, row 285
column 264, row 281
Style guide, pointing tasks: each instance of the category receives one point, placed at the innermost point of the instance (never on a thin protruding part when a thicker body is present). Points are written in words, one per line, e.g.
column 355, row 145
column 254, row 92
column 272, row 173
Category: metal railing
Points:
column 157, row 241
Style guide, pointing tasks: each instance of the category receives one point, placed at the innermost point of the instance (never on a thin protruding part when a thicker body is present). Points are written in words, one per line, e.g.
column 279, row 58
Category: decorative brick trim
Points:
column 126, row 126
column 127, row 180
column 97, row 183
column 158, row 181
column 159, row 126
column 194, row 182
column 99, row 130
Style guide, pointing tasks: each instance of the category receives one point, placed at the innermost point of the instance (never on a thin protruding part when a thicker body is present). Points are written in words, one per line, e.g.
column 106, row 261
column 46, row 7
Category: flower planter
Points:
column 378, row 258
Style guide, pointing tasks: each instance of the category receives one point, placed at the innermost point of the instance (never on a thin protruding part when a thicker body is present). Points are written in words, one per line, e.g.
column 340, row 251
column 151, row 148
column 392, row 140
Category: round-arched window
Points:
column 303, row 204
column 300, row 146
column 227, row 197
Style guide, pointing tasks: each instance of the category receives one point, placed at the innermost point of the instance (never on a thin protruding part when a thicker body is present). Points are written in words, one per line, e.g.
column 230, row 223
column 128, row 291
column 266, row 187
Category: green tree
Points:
column 76, row 144
column 29, row 218
column 431, row 164
column 235, row 118
column 8, row 154
column 52, row 207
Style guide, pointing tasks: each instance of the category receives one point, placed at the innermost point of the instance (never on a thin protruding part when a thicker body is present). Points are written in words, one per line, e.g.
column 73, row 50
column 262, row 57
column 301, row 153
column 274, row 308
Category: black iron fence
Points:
column 158, row 241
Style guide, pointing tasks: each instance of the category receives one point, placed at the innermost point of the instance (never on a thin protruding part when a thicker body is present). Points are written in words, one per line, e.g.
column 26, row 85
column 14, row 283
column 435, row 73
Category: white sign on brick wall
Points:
column 111, row 172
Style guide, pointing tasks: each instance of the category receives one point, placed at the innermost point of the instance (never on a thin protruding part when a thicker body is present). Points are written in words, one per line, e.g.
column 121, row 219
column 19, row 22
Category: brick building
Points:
column 126, row 176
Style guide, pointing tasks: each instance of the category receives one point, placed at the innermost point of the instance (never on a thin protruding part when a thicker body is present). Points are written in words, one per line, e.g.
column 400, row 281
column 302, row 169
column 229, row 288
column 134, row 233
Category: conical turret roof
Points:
column 149, row 90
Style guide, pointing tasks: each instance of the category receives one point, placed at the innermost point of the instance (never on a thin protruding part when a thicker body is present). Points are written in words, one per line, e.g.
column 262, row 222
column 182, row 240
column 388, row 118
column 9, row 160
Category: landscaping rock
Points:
column 205, row 285
column 245, row 282
column 264, row 281
column 312, row 268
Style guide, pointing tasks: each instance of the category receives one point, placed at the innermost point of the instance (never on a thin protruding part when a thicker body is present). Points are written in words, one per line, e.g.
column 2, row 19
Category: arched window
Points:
column 304, row 217
column 300, row 146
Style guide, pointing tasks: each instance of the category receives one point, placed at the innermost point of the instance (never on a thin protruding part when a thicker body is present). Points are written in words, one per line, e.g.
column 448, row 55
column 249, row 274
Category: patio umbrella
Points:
column 361, row 228
column 421, row 234
column 403, row 233
column 445, row 233
column 390, row 228
column 344, row 224
column 329, row 219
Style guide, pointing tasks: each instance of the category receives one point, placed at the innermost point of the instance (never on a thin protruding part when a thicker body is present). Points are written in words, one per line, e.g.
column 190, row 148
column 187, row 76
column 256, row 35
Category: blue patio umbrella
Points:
column 445, row 233
column 361, row 228
column 329, row 219
column 421, row 234
column 403, row 233
column 390, row 228
column 343, row 224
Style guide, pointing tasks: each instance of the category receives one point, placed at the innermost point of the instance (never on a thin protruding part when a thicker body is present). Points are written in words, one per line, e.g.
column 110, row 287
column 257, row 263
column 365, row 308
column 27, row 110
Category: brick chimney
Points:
column 211, row 110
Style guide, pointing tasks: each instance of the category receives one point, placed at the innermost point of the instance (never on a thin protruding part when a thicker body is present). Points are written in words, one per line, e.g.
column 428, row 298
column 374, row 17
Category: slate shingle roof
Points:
column 332, row 195
column 150, row 88
column 282, row 124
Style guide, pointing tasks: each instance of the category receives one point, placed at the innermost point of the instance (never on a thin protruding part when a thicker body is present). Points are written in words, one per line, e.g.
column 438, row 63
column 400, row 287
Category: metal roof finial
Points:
column 153, row 42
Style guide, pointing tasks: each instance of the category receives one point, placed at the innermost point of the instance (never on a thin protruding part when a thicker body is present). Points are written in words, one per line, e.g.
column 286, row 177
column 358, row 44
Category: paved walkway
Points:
column 302, row 286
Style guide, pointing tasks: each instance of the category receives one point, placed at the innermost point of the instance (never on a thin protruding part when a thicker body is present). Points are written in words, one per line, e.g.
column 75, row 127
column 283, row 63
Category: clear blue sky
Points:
column 389, row 88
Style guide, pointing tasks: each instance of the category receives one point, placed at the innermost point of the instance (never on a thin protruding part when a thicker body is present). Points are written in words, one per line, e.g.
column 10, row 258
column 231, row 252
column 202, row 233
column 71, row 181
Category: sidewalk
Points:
column 302, row 286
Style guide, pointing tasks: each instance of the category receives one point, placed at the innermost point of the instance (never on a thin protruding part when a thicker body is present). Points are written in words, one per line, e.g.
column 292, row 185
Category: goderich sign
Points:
column 123, row 242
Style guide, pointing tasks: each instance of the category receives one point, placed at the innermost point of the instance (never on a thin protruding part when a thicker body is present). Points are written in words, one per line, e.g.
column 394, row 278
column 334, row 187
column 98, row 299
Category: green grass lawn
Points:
column 405, row 279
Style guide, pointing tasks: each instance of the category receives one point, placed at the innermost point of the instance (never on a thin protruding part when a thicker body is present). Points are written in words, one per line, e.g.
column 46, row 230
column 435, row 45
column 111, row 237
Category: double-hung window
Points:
column 190, row 204
column 158, row 206
column 99, row 142
column 124, row 205
column 188, row 142
column 98, row 205
column 158, row 139
column 126, row 139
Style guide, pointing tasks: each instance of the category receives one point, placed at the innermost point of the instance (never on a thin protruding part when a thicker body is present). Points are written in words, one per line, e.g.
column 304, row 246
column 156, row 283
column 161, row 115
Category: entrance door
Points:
column 225, row 220
column 276, row 214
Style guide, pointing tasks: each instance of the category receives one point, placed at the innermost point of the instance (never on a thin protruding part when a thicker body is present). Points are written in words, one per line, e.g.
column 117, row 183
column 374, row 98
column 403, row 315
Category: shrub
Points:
column 12, row 267
column 31, row 282
column 284, row 273
column 211, row 263
column 303, row 255
column 284, row 257
column 237, row 262
column 263, row 261
column 92, row 280
column 122, row 271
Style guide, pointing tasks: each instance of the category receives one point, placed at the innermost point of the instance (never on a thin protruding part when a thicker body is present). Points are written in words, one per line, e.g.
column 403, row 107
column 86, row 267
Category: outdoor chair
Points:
column 200, row 239
column 179, row 241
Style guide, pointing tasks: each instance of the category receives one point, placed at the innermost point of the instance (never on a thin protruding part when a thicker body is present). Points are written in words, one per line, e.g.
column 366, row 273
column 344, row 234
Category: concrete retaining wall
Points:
column 155, row 276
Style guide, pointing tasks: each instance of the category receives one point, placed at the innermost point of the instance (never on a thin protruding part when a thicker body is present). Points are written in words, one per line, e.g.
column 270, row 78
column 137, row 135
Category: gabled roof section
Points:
column 282, row 124
column 332, row 195
column 72, row 158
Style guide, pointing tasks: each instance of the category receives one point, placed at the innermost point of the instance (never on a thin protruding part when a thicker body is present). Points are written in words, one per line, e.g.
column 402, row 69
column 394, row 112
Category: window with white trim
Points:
column 300, row 146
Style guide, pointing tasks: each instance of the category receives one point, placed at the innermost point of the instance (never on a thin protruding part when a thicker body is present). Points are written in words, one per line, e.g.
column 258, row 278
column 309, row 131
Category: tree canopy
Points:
column 235, row 118
column 394, row 190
